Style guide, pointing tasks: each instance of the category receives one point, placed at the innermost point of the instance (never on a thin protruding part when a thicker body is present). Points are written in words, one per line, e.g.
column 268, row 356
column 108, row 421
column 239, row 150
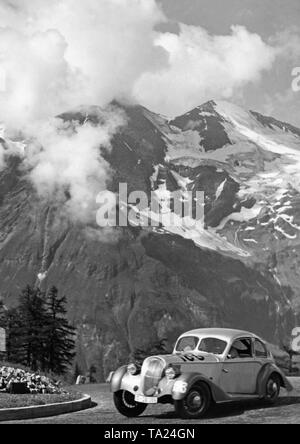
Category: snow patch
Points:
column 220, row 189
column 182, row 182
column 245, row 215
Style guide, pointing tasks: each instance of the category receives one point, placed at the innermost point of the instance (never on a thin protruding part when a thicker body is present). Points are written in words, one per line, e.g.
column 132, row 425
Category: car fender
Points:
column 264, row 375
column 116, row 379
column 186, row 381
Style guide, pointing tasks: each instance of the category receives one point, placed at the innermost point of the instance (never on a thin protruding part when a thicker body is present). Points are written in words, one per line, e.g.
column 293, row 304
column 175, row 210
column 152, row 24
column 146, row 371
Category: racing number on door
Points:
column 191, row 358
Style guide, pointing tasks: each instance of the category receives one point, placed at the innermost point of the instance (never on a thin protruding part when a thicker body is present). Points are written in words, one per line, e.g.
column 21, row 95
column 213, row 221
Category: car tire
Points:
column 273, row 387
column 126, row 405
column 196, row 403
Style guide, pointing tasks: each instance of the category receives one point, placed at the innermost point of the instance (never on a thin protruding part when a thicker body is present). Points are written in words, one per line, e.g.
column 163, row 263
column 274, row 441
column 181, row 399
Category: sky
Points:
column 265, row 17
column 270, row 19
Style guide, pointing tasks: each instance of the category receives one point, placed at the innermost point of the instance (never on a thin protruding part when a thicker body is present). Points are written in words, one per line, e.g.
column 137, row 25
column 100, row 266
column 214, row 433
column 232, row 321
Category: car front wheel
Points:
column 127, row 406
column 195, row 404
column 273, row 389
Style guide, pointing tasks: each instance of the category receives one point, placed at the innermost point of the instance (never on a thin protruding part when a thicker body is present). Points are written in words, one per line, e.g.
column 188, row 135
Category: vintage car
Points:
column 207, row 366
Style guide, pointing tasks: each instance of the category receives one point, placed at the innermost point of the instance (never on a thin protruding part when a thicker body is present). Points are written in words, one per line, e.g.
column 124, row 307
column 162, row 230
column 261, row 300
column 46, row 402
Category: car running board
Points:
column 241, row 397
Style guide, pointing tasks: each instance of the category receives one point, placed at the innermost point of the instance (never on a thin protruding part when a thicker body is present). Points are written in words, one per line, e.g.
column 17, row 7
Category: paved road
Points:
column 286, row 412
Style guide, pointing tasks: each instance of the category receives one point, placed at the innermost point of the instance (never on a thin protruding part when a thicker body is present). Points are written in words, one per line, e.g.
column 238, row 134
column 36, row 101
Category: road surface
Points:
column 286, row 412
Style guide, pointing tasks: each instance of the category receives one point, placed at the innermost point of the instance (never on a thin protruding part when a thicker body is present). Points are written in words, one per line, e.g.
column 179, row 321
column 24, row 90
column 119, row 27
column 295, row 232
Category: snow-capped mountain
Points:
column 238, row 269
column 260, row 157
column 249, row 167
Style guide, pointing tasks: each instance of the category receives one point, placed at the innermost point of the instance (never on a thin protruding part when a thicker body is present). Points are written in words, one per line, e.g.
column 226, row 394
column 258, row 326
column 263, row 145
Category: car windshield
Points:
column 212, row 345
column 186, row 344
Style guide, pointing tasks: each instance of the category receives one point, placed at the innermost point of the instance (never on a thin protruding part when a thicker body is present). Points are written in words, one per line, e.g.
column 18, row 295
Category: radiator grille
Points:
column 152, row 374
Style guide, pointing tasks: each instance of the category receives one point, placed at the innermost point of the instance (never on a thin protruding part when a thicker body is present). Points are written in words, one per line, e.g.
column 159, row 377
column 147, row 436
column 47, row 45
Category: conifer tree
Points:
column 14, row 340
column 60, row 342
column 29, row 329
column 39, row 335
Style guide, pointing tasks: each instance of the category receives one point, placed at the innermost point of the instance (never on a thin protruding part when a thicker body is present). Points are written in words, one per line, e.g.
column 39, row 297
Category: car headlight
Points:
column 133, row 369
column 172, row 372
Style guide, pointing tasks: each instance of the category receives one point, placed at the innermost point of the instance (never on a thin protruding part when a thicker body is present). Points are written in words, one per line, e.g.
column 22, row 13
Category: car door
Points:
column 240, row 369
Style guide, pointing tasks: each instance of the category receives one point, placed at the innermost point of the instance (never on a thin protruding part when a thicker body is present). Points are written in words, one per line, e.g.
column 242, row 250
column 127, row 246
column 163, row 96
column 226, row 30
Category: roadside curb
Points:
column 44, row 411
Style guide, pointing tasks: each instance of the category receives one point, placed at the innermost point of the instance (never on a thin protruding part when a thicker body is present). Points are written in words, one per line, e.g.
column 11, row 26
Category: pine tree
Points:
column 33, row 318
column 60, row 342
column 27, row 329
column 14, row 340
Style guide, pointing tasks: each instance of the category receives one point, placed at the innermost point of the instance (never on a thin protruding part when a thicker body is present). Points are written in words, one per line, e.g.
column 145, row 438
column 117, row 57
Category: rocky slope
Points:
column 137, row 286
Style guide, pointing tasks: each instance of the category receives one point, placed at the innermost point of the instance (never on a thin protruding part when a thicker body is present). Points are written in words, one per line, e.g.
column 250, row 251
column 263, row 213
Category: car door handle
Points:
column 225, row 370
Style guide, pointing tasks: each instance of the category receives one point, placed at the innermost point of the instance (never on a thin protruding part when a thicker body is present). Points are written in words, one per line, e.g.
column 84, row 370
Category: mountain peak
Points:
column 208, row 106
column 208, row 122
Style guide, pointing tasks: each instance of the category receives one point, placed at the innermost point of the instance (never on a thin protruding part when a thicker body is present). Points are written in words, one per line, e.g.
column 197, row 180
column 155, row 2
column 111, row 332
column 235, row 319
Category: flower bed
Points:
column 35, row 383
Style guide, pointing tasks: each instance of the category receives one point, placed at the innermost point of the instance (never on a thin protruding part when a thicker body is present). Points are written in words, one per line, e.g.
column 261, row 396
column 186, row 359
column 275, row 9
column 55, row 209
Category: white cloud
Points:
column 288, row 43
column 66, row 53
column 202, row 67
column 65, row 160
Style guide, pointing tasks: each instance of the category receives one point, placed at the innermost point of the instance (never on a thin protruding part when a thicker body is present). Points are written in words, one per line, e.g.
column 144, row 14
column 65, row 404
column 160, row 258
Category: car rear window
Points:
column 188, row 343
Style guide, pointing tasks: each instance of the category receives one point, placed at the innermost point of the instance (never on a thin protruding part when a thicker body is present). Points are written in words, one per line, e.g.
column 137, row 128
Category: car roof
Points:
column 220, row 333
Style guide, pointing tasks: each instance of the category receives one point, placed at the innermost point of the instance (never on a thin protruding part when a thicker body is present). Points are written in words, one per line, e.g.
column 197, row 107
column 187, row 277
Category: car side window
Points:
column 260, row 349
column 241, row 349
